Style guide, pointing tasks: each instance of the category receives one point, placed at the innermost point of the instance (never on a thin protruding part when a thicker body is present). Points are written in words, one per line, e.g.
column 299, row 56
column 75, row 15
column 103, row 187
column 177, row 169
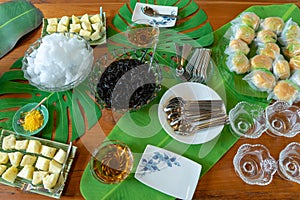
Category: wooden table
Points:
column 220, row 182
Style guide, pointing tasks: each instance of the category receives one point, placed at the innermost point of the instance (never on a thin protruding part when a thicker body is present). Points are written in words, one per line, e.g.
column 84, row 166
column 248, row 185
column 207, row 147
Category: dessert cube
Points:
column 42, row 163
column 48, row 151
column 21, row 144
column 28, row 160
column 54, row 167
column 26, row 172
column 15, row 158
column 34, row 146
column 10, row 174
column 38, row 177
column 9, row 142
column 3, row 157
column 2, row 168
column 60, row 156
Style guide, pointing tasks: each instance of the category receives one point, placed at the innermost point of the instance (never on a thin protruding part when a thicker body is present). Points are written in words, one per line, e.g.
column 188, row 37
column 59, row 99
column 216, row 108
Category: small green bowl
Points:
column 19, row 128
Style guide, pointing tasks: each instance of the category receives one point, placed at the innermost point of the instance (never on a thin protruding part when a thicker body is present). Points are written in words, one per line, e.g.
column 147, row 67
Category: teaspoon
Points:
column 153, row 13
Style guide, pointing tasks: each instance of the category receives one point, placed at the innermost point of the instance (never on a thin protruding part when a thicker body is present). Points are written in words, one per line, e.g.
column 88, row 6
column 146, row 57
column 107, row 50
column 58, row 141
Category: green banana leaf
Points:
column 206, row 154
column 60, row 105
column 197, row 30
column 17, row 18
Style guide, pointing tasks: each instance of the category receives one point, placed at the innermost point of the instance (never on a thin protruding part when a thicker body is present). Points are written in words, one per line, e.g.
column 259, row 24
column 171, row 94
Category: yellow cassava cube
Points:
column 34, row 146
column 60, row 156
column 48, row 151
column 54, row 167
column 3, row 158
column 28, row 160
column 26, row 172
column 75, row 28
column 21, row 144
column 62, row 28
column 75, row 20
column 95, row 36
column 10, row 174
column 15, row 158
column 52, row 21
column 64, row 21
column 95, row 18
column 9, row 142
column 85, row 34
column 42, row 163
column 38, row 176
column 86, row 26
column 2, row 168
column 51, row 28
column 97, row 26
column 85, row 18
column 49, row 181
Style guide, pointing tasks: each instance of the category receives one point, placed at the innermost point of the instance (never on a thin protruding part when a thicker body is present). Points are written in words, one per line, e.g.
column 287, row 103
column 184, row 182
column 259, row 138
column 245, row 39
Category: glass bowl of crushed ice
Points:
column 58, row 62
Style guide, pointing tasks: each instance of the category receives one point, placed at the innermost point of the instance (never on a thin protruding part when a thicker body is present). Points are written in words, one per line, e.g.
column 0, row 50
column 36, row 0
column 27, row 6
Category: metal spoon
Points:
column 147, row 10
column 188, row 129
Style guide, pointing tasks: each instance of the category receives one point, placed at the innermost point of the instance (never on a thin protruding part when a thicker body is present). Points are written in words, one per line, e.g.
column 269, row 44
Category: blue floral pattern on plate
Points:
column 168, row 172
column 163, row 20
column 158, row 161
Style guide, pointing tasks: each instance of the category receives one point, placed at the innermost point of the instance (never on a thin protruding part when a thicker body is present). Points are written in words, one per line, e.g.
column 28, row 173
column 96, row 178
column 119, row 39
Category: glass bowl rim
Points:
column 74, row 83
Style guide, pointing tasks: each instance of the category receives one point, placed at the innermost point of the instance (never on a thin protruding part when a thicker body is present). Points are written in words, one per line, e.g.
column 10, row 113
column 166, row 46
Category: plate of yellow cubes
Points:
column 90, row 27
column 34, row 164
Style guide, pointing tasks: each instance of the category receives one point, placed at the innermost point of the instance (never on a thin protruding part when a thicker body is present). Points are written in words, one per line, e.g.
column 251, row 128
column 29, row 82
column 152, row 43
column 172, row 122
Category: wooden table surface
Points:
column 220, row 182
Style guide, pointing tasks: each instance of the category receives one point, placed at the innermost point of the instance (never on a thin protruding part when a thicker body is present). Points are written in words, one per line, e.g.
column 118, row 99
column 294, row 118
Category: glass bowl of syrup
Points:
column 111, row 162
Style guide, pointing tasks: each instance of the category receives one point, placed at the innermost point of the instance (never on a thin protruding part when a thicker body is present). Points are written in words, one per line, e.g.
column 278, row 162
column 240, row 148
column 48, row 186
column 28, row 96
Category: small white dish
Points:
column 189, row 91
column 168, row 172
column 160, row 21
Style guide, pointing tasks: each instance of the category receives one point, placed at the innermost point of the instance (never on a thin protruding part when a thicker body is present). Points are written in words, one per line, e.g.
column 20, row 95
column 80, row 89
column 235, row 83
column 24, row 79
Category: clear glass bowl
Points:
column 282, row 119
column 254, row 164
column 120, row 90
column 247, row 120
column 143, row 33
column 55, row 77
column 289, row 162
column 111, row 162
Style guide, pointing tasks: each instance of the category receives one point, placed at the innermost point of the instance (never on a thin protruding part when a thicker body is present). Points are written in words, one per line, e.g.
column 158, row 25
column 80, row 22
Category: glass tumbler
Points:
column 289, row 162
column 282, row 119
column 254, row 164
column 111, row 162
column 247, row 120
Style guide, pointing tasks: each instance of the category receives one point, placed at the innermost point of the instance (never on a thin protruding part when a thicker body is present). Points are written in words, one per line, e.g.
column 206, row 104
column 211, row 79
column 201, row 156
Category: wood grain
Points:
column 220, row 182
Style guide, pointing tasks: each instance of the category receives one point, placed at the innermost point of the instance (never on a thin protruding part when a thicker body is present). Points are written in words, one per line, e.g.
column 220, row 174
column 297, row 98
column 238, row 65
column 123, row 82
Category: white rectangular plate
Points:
column 160, row 21
column 168, row 172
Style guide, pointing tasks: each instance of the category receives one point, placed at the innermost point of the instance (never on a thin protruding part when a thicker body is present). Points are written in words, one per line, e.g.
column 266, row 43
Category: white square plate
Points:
column 168, row 172
column 160, row 21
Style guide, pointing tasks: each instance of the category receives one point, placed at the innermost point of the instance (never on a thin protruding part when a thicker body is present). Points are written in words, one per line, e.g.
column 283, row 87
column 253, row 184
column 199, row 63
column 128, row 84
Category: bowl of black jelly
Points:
column 128, row 81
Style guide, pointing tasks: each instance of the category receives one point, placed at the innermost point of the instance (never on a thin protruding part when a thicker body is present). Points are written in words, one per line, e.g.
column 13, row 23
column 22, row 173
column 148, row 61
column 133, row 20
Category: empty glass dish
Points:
column 289, row 162
column 247, row 120
column 282, row 119
column 254, row 164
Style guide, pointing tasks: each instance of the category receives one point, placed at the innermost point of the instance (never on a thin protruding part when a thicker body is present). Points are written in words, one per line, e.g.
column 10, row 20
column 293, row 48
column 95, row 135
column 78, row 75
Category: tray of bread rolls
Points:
column 35, row 164
column 258, row 53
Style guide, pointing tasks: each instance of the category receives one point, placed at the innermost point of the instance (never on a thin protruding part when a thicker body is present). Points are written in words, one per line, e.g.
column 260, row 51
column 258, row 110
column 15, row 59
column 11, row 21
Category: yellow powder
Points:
column 33, row 121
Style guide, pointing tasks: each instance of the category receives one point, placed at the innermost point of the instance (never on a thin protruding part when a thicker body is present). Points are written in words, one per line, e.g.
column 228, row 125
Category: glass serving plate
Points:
column 26, row 184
